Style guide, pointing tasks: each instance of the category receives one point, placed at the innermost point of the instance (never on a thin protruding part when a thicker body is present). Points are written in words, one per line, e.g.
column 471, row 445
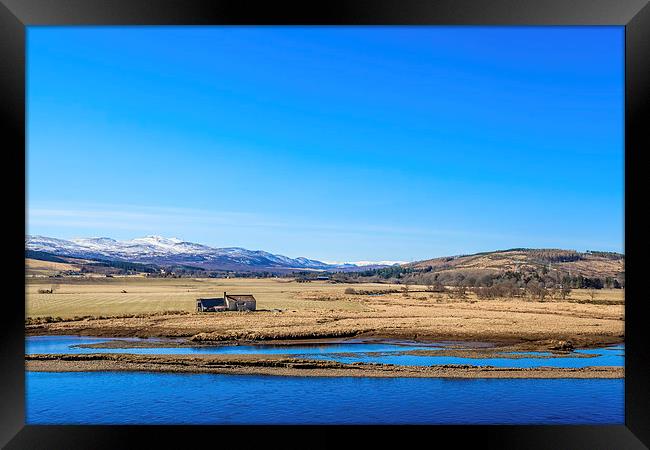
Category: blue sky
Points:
column 340, row 144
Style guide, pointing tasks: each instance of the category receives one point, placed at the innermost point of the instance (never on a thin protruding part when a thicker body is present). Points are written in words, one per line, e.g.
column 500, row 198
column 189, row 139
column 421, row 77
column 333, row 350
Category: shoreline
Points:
column 284, row 365
column 526, row 324
column 155, row 338
column 468, row 349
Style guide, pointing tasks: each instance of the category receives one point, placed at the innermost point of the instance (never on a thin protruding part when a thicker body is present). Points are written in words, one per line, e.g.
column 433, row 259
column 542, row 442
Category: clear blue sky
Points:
column 340, row 144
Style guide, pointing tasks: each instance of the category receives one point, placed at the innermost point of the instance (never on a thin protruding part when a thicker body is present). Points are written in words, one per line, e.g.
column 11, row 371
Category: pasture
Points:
column 99, row 296
column 138, row 295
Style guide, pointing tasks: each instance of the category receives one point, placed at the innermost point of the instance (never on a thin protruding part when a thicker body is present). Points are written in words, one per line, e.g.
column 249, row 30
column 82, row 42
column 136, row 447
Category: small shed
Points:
column 240, row 302
column 210, row 304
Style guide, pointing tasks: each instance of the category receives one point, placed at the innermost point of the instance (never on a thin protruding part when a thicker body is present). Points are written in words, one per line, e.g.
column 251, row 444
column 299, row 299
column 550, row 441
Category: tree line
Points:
column 480, row 278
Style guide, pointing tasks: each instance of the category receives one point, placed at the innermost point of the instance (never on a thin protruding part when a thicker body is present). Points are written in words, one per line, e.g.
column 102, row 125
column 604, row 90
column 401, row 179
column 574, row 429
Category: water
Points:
column 346, row 352
column 609, row 356
column 162, row 398
column 159, row 398
column 70, row 344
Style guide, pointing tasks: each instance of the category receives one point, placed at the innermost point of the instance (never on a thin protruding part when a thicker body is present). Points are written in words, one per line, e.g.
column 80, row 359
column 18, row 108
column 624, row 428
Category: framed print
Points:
column 350, row 218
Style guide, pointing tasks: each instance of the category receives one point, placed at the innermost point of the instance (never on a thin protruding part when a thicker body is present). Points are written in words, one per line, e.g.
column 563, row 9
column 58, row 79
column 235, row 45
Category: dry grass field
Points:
column 291, row 310
column 35, row 267
column 139, row 295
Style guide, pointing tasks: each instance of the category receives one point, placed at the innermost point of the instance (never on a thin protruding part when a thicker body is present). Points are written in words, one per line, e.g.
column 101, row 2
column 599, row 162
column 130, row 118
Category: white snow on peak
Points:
column 157, row 241
column 157, row 249
column 94, row 242
column 377, row 263
column 366, row 263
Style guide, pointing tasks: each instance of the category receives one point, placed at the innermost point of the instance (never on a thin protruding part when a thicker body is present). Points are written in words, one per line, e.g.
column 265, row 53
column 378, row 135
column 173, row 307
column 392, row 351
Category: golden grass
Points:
column 105, row 296
column 37, row 267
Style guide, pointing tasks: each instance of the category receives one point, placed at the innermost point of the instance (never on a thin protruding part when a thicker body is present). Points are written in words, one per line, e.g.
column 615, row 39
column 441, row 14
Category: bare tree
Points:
column 536, row 291
column 565, row 292
column 592, row 294
column 435, row 286
column 459, row 292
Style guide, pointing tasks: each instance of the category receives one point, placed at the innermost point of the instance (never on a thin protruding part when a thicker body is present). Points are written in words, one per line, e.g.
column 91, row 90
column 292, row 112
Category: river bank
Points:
column 537, row 325
column 281, row 365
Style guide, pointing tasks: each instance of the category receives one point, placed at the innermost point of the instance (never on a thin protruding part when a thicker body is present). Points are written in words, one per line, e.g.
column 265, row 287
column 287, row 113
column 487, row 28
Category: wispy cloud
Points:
column 148, row 219
column 300, row 235
column 144, row 219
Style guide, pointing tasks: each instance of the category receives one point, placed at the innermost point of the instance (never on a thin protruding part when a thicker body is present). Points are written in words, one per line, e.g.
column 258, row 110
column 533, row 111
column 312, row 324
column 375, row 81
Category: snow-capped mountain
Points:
column 365, row 264
column 160, row 250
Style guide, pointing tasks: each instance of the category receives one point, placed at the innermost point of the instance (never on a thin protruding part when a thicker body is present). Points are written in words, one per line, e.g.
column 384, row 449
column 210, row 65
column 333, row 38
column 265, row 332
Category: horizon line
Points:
column 325, row 260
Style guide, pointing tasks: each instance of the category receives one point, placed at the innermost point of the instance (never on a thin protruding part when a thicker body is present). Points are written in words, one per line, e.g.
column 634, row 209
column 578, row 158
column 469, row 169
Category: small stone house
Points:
column 240, row 302
column 210, row 304
column 245, row 302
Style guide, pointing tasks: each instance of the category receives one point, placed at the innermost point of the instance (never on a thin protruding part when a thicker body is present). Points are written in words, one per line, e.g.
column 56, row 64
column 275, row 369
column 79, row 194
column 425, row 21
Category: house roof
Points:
column 246, row 297
column 211, row 301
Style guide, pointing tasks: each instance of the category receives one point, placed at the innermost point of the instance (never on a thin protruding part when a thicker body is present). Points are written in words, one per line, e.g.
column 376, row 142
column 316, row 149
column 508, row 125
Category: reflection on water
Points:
column 159, row 398
column 609, row 356
column 351, row 351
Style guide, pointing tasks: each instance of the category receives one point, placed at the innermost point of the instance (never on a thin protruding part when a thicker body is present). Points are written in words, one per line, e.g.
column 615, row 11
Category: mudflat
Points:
column 283, row 365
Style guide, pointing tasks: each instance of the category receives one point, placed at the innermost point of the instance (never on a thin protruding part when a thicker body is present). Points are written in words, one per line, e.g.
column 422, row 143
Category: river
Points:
column 162, row 398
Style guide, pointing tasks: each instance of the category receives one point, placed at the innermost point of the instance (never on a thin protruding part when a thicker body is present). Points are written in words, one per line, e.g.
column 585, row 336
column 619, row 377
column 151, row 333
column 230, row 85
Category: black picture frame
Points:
column 15, row 15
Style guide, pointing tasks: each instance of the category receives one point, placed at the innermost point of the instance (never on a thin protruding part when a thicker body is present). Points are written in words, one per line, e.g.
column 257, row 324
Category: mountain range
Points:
column 165, row 252
column 172, row 251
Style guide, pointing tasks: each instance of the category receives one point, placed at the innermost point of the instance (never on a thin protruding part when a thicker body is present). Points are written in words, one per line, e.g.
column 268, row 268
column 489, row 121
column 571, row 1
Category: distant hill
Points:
column 518, row 267
column 586, row 264
column 38, row 263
